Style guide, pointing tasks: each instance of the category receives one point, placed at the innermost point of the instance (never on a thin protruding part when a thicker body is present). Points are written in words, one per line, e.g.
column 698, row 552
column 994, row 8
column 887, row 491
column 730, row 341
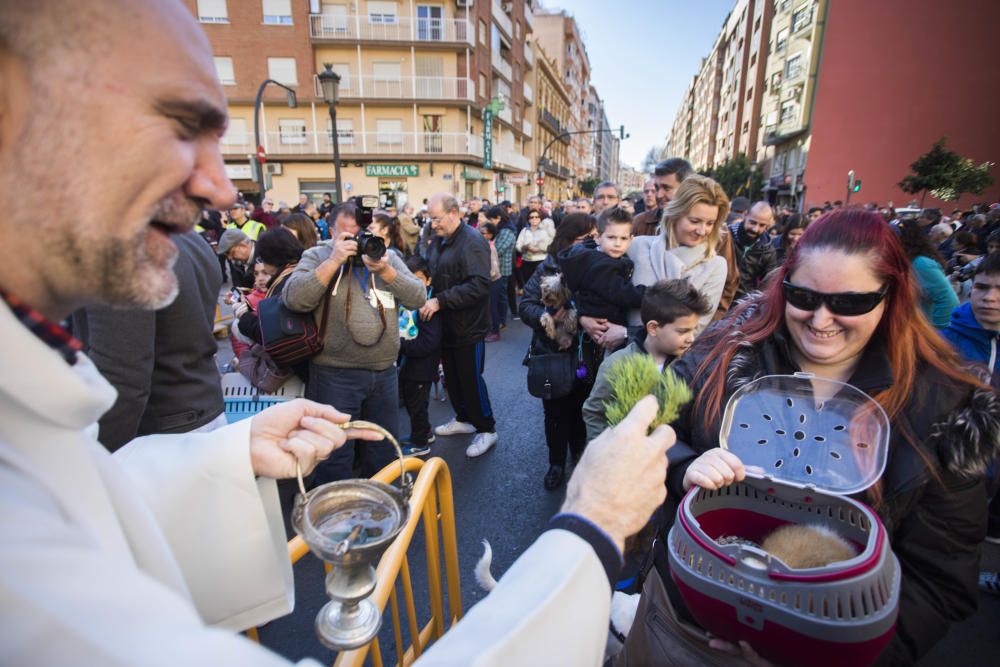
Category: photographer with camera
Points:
column 356, row 370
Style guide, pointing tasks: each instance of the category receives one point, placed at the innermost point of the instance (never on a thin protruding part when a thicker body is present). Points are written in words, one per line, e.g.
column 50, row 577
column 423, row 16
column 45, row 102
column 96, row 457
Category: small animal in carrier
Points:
column 784, row 560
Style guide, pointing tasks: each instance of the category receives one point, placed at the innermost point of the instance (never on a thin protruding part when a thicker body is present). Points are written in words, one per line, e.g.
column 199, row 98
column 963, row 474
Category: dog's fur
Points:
column 555, row 296
column 483, row 576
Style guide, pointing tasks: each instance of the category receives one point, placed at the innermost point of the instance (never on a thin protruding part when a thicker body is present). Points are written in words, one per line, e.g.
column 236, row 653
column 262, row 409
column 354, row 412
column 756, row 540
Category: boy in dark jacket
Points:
column 600, row 278
column 418, row 367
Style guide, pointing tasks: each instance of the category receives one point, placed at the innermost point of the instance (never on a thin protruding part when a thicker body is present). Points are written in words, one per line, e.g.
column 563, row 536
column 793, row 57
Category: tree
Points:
column 945, row 174
column 737, row 176
column 649, row 162
column 587, row 186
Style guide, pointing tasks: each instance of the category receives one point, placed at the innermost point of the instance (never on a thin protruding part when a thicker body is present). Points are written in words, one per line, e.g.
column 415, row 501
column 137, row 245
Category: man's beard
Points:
column 139, row 273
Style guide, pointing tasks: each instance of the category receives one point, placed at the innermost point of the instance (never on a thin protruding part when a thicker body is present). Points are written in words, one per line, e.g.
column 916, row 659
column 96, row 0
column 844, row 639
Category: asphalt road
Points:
column 500, row 497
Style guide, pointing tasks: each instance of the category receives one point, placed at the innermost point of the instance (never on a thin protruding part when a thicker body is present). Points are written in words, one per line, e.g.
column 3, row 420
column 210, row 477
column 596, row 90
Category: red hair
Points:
column 908, row 337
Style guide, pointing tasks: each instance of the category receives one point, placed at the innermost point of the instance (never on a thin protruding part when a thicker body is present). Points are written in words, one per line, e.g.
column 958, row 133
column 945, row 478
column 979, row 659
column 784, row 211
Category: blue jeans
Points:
column 498, row 304
column 363, row 394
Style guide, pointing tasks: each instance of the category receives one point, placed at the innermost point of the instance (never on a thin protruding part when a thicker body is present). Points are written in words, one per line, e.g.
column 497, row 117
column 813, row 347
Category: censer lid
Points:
column 780, row 428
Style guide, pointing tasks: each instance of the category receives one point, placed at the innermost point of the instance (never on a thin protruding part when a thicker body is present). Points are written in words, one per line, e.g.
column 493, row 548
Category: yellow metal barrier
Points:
column 431, row 501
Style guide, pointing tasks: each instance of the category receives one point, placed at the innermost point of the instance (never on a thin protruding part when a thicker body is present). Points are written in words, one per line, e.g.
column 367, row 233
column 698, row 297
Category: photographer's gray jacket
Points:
column 358, row 345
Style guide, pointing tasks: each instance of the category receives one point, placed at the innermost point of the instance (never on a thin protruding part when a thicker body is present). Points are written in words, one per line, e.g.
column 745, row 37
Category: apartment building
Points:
column 794, row 44
column 630, row 180
column 741, row 93
column 559, row 35
column 415, row 78
column 705, row 107
column 553, row 111
column 678, row 142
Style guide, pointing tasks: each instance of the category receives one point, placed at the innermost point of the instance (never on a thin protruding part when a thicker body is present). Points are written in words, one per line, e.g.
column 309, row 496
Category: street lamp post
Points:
column 330, row 82
column 292, row 103
column 541, row 160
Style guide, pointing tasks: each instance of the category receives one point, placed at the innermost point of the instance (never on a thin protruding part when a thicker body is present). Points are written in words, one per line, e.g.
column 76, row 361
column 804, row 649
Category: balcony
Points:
column 505, row 115
column 502, row 66
column 527, row 128
column 369, row 87
column 357, row 143
column 529, row 56
column 511, row 158
column 502, row 20
column 783, row 131
column 529, row 19
column 529, row 94
column 358, row 27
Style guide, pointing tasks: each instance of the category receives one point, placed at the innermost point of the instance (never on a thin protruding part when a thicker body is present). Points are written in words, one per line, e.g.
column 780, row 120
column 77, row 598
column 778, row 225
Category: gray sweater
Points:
column 359, row 347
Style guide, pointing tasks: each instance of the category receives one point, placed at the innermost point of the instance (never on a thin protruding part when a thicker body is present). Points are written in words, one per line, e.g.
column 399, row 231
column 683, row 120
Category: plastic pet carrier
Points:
column 803, row 456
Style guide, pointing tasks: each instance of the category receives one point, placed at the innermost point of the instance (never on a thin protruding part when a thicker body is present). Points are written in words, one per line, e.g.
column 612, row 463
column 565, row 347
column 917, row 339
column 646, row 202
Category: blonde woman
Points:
column 685, row 246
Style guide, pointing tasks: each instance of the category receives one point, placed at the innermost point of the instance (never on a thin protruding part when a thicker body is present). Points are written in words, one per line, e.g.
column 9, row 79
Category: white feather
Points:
column 482, row 571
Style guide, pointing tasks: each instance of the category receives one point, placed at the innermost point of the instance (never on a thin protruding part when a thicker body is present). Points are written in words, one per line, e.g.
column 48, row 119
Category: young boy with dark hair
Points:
column 600, row 277
column 418, row 368
column 670, row 311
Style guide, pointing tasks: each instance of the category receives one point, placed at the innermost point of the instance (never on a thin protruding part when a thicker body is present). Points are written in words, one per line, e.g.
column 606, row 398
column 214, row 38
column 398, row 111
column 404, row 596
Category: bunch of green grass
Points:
column 636, row 376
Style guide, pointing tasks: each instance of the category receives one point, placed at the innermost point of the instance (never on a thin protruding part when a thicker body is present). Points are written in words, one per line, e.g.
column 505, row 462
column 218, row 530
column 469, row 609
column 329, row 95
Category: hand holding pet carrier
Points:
column 803, row 455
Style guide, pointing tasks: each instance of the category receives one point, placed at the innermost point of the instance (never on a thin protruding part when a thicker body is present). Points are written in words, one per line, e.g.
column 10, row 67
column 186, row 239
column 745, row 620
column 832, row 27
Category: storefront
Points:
column 393, row 182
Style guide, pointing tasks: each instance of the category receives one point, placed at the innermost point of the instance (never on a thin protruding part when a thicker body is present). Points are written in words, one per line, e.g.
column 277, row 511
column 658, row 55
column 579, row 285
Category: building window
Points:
column 236, row 133
column 291, row 131
column 212, row 11
column 517, row 30
column 746, row 127
column 283, row 71
column 482, row 32
column 775, row 81
column 389, row 132
column 495, row 39
column 783, row 5
column 782, row 40
column 483, row 92
column 224, row 70
column 793, row 67
column 345, row 131
column 802, row 17
column 430, row 23
column 278, row 12
column 753, row 60
column 787, row 112
column 382, row 12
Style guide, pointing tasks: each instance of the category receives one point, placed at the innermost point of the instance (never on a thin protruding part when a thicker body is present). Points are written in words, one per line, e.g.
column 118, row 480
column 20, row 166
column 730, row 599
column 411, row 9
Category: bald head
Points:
column 759, row 219
column 444, row 213
column 73, row 106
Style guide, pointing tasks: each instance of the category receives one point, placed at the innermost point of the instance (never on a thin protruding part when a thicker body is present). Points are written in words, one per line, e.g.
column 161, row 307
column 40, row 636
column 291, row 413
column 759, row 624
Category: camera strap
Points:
column 347, row 311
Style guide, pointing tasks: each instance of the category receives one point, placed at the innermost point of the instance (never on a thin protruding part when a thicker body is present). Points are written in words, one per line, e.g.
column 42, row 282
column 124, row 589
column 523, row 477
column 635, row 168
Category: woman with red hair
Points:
column 843, row 306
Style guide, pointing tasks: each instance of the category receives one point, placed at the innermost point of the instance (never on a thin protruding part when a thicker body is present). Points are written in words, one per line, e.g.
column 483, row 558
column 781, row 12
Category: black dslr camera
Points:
column 369, row 245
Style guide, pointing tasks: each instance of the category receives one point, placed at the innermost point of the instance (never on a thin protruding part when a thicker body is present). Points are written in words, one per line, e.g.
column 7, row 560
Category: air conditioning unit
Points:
column 508, row 7
column 464, row 3
column 273, row 168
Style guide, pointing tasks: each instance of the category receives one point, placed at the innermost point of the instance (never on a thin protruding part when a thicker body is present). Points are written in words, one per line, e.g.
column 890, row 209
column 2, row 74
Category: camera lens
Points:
column 374, row 248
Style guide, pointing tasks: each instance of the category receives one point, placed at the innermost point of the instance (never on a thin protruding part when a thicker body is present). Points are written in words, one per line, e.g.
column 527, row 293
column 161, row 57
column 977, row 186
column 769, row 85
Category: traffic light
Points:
column 857, row 185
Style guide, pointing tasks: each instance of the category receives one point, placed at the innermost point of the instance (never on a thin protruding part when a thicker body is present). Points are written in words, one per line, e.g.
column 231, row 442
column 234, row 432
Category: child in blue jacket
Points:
column 418, row 368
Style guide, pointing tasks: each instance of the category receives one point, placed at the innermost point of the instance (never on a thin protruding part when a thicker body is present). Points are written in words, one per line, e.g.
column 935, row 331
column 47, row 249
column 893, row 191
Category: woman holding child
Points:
column 564, row 430
column 685, row 248
column 843, row 307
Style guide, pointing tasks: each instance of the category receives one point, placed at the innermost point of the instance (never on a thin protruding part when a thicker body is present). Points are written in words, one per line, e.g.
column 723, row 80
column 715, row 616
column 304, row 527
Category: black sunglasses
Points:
column 839, row 303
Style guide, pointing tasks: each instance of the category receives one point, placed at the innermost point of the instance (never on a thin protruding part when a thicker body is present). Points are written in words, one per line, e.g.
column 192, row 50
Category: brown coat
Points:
column 647, row 223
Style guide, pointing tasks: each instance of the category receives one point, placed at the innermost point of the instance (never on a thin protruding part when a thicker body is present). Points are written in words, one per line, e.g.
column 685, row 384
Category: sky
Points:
column 643, row 54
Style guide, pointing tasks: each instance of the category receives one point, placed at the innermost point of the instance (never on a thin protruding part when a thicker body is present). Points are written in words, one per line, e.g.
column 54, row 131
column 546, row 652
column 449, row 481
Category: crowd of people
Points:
column 136, row 522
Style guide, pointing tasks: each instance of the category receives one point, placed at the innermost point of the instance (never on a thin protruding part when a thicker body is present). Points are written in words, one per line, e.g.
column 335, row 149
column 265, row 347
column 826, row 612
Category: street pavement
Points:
column 500, row 497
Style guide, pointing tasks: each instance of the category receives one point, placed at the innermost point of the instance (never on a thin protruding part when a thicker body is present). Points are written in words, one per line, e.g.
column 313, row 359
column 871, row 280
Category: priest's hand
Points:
column 298, row 430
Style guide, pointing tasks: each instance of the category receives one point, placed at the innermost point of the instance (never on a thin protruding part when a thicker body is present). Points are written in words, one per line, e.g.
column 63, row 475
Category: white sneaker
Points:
column 455, row 427
column 481, row 444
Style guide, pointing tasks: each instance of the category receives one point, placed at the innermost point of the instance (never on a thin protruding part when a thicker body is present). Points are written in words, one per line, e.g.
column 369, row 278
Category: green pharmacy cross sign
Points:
column 494, row 107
